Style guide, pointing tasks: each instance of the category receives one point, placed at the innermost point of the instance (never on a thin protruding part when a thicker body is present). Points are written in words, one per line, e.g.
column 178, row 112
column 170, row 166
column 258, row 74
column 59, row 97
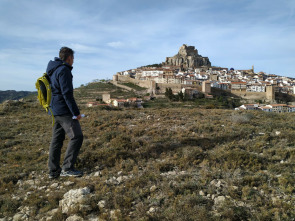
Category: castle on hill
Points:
column 187, row 58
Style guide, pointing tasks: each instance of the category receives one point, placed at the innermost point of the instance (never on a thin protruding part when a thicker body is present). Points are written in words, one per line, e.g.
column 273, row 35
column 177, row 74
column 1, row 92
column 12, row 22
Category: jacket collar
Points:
column 64, row 63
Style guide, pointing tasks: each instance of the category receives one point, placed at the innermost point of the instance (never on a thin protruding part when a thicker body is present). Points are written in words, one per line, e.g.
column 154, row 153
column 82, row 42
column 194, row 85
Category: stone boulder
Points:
column 76, row 199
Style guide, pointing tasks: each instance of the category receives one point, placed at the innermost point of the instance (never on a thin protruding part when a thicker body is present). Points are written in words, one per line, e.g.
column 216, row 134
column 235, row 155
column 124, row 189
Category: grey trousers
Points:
column 64, row 124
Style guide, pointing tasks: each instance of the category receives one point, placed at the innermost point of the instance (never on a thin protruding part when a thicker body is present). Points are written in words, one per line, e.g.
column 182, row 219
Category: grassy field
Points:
column 182, row 163
column 181, row 160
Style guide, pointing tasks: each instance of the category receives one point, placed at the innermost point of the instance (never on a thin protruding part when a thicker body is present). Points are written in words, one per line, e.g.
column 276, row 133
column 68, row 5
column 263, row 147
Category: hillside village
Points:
column 191, row 73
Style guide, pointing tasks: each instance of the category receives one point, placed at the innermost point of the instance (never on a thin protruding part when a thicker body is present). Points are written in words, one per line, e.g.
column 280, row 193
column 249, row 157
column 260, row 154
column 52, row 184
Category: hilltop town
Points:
column 192, row 73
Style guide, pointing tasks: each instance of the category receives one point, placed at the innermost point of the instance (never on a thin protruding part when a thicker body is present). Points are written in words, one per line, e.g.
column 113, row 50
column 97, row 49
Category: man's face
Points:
column 70, row 60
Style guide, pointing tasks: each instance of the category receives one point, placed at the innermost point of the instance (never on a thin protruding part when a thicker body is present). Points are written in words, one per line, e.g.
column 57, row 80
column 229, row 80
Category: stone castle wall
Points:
column 141, row 83
column 250, row 95
column 161, row 87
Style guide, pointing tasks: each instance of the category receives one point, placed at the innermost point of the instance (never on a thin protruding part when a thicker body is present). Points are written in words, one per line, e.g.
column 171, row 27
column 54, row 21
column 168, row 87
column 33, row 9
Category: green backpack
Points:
column 44, row 93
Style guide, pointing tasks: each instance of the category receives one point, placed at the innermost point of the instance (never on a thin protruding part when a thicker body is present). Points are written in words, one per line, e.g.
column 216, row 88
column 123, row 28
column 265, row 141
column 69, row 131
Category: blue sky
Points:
column 115, row 35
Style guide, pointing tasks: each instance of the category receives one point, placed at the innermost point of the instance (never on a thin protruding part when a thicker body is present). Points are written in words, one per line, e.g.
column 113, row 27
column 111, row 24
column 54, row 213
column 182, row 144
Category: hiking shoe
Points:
column 75, row 173
column 53, row 176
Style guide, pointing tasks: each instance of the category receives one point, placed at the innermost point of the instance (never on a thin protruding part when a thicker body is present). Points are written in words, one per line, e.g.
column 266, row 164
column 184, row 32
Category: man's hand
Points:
column 79, row 117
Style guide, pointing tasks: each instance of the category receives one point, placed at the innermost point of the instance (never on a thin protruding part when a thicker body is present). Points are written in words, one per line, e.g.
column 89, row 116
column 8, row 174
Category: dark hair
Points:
column 65, row 52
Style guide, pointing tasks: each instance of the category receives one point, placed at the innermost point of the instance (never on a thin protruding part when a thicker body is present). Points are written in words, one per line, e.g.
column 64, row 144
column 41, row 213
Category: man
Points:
column 66, row 114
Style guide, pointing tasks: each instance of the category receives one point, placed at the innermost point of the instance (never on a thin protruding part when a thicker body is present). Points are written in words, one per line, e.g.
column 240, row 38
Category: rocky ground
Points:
column 151, row 164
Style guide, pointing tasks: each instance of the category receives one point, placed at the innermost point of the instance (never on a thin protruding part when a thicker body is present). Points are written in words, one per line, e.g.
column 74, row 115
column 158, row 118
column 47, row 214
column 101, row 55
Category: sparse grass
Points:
column 180, row 150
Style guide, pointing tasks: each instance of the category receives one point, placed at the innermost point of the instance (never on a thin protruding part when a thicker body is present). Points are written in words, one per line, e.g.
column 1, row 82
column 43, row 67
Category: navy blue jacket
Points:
column 61, row 80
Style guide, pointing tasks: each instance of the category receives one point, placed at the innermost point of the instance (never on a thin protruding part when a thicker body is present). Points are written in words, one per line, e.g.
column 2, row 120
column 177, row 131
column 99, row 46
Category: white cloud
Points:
column 86, row 49
column 116, row 44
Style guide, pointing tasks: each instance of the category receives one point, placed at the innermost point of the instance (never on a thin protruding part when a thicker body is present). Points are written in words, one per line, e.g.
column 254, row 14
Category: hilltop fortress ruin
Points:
column 191, row 73
column 188, row 57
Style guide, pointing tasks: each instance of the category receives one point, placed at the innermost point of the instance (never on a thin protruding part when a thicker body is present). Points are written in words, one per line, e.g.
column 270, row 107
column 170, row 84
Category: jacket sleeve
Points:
column 66, row 86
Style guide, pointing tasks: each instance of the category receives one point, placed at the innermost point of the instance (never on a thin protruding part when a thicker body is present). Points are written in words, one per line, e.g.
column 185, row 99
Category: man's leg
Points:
column 73, row 130
column 58, row 136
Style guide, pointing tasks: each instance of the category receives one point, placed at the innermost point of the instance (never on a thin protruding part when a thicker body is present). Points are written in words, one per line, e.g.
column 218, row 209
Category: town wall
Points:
column 161, row 87
column 250, row 95
column 141, row 83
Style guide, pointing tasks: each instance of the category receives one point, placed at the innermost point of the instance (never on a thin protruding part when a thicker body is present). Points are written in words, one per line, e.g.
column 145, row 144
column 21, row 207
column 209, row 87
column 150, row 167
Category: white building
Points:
column 256, row 88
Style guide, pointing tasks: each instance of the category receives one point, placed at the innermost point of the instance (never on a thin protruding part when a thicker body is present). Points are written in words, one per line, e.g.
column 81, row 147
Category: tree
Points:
column 180, row 96
column 169, row 94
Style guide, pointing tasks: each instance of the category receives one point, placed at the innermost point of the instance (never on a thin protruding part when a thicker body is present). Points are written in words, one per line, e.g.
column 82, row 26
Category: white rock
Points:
column 93, row 217
column 5, row 219
column 153, row 188
column 202, row 193
column 218, row 200
column 98, row 173
column 20, row 182
column 74, row 198
column 213, row 182
column 112, row 180
column 152, row 210
column 120, row 179
column 29, row 182
column 240, row 203
column 42, row 188
column 274, row 199
column 278, row 133
column 114, row 213
column 20, row 217
column 101, row 204
column 218, row 184
column 52, row 212
column 85, row 207
column 74, row 218
column 54, row 185
column 69, row 183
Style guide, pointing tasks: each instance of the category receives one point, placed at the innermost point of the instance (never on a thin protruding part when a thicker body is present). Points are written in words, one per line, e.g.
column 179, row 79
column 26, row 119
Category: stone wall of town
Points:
column 161, row 87
column 141, row 83
column 250, row 95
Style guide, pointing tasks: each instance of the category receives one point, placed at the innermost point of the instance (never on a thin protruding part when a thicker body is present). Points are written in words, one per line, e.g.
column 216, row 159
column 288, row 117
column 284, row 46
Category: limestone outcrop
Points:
column 188, row 57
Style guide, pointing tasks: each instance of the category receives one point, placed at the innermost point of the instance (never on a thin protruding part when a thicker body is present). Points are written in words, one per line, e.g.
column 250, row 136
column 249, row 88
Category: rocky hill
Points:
column 179, row 163
column 188, row 57
column 13, row 95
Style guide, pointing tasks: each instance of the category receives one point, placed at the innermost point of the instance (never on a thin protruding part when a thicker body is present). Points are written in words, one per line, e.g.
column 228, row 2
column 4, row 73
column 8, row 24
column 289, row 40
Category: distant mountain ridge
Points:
column 13, row 95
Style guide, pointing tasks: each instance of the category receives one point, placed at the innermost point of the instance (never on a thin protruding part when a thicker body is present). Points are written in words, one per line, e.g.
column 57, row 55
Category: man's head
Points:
column 67, row 54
